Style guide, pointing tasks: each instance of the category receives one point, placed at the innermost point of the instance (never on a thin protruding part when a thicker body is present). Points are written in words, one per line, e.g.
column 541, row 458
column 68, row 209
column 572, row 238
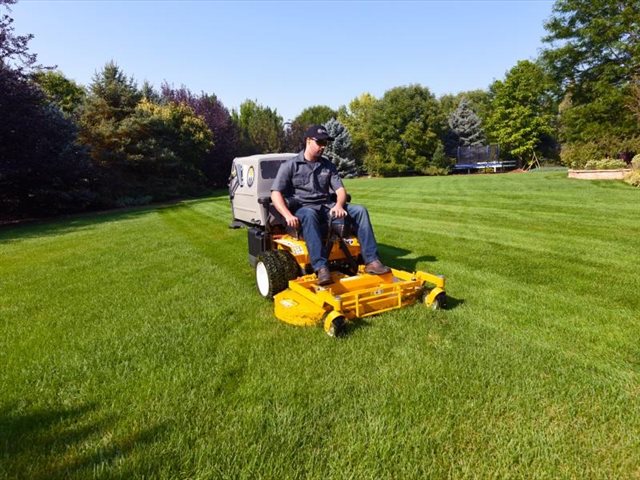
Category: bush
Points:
column 605, row 164
column 635, row 162
column 633, row 178
column 576, row 155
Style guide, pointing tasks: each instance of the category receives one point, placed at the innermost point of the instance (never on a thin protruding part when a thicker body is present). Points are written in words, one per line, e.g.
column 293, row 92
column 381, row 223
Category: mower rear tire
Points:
column 270, row 274
column 288, row 262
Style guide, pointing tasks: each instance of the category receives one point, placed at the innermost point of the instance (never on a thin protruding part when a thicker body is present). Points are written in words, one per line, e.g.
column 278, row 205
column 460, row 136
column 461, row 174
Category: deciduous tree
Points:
column 404, row 131
column 216, row 163
column 593, row 53
column 66, row 94
column 522, row 117
column 260, row 128
column 357, row 118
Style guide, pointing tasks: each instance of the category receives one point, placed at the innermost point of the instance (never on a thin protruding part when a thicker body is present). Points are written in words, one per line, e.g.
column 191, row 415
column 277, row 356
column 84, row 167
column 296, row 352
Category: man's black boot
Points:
column 324, row 276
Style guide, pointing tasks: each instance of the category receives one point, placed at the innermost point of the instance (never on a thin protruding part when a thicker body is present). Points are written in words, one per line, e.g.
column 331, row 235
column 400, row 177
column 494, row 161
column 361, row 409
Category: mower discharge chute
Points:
column 283, row 269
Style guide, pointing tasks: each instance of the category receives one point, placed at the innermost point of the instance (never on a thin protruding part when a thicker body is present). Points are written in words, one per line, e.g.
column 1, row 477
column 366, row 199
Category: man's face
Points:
column 315, row 148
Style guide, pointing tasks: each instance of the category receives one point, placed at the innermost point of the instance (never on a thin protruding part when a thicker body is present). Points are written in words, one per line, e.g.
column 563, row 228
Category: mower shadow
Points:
column 453, row 302
column 353, row 326
column 395, row 257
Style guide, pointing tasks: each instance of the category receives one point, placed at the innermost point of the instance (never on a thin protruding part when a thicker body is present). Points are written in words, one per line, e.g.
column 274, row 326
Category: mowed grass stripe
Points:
column 135, row 344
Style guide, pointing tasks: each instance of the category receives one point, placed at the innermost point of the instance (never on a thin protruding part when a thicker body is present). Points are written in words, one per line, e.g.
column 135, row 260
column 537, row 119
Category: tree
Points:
column 66, row 94
column 634, row 101
column 316, row 115
column 594, row 53
column 14, row 49
column 522, row 119
column 260, row 129
column 356, row 118
column 466, row 125
column 216, row 164
column 404, row 131
column 42, row 169
column 339, row 151
column 167, row 144
column 112, row 98
column 479, row 101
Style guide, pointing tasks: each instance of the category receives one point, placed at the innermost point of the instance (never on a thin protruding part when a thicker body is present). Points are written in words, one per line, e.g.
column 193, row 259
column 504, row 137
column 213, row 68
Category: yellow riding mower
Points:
column 283, row 269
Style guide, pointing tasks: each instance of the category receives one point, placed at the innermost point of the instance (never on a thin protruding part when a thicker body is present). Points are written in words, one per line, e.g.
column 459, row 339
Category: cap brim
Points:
column 324, row 137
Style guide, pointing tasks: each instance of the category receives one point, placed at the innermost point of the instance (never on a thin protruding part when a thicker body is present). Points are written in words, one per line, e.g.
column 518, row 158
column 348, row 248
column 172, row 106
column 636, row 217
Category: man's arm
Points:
column 338, row 210
column 281, row 206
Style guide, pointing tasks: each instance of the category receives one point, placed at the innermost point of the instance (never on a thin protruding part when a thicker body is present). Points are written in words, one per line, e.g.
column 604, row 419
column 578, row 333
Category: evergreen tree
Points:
column 466, row 125
column 339, row 151
column 112, row 98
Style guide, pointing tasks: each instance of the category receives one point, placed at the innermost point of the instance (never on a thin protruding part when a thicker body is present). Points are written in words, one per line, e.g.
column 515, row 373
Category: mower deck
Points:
column 307, row 303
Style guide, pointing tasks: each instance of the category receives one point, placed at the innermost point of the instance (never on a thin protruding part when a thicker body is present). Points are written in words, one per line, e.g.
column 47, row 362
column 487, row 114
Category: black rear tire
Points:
column 270, row 274
column 289, row 264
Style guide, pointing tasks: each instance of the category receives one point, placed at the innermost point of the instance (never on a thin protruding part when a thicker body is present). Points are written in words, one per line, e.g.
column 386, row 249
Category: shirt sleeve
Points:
column 336, row 181
column 282, row 182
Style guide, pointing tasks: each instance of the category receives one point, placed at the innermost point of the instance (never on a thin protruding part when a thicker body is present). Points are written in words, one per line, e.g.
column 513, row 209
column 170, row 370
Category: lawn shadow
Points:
column 355, row 325
column 65, row 442
column 401, row 258
column 453, row 302
column 406, row 260
column 39, row 228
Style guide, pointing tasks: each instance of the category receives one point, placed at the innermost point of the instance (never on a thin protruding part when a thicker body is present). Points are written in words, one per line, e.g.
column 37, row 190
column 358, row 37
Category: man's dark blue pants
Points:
column 312, row 219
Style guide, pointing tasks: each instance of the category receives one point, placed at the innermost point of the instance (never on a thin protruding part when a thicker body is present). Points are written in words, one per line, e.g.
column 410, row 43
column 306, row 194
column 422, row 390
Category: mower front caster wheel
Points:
column 438, row 302
column 334, row 324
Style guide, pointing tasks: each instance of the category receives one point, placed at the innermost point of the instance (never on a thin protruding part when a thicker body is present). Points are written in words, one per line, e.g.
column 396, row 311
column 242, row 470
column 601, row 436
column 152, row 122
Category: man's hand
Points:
column 292, row 221
column 337, row 211
column 278, row 201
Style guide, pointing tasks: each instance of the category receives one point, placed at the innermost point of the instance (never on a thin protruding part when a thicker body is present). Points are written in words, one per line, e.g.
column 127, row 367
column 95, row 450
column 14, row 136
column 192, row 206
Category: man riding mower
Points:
column 328, row 275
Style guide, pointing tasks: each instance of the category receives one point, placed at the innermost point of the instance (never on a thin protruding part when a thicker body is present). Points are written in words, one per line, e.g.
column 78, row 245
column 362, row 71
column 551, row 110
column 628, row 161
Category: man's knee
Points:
column 306, row 214
column 357, row 211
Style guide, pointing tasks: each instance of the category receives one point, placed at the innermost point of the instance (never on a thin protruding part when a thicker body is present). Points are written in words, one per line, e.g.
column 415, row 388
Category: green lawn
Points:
column 135, row 345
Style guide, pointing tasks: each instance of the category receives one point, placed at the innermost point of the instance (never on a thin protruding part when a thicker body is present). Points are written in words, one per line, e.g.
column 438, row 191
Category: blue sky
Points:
column 288, row 55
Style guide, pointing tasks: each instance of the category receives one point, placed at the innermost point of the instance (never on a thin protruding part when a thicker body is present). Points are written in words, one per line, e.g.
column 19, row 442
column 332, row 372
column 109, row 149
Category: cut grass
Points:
column 135, row 344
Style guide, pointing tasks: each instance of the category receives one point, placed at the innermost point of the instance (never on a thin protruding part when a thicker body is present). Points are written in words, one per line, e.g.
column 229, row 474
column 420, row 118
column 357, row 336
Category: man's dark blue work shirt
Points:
column 310, row 183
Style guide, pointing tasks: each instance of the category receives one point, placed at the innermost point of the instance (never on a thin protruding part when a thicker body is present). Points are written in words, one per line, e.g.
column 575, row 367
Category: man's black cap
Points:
column 318, row 132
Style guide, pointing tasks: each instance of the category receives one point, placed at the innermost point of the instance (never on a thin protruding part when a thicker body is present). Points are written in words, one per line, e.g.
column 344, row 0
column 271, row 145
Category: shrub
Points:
column 635, row 162
column 576, row 155
column 633, row 178
column 605, row 164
